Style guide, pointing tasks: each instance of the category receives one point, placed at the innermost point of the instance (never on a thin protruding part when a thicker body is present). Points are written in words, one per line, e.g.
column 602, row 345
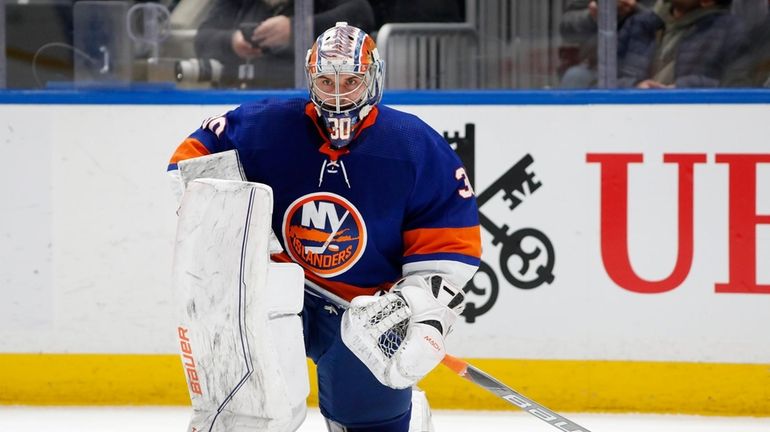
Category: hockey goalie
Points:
column 333, row 228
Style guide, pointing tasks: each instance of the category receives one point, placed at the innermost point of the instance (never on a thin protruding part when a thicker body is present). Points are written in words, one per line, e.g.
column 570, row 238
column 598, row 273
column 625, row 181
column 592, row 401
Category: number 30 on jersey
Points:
column 339, row 128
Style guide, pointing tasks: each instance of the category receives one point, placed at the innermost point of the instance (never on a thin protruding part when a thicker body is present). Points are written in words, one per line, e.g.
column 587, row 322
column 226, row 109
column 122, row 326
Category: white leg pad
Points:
column 224, row 166
column 240, row 335
column 421, row 417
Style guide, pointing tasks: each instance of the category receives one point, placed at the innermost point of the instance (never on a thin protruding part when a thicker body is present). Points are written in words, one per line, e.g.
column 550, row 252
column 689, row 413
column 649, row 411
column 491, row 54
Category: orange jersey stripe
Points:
column 464, row 241
column 345, row 291
column 190, row 148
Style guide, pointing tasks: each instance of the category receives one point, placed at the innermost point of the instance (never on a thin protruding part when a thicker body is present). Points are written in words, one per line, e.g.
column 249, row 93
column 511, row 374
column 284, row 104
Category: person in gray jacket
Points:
column 683, row 44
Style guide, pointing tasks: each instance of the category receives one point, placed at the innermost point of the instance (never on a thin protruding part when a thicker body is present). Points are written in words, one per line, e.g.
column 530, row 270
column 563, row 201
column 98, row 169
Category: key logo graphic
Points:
column 324, row 233
column 526, row 257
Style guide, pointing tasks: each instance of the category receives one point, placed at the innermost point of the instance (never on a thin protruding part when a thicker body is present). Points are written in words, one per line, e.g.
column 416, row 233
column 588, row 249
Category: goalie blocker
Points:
column 240, row 335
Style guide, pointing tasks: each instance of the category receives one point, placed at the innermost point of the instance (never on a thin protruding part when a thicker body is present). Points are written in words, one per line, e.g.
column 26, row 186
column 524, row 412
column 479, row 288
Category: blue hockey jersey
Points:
column 396, row 201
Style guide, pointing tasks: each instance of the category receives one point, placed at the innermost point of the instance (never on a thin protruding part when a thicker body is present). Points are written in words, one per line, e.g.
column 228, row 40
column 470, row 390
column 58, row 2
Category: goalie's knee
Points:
column 417, row 419
column 399, row 424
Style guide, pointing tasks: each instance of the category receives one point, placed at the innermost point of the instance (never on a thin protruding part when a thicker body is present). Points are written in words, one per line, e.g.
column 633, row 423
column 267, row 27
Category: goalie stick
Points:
column 483, row 380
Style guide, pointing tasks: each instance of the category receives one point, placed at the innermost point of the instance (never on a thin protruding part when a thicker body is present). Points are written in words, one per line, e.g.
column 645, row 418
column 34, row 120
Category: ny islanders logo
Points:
column 325, row 233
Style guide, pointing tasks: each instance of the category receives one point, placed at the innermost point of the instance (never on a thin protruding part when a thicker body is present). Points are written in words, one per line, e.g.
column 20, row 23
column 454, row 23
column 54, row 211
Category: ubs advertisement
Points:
column 617, row 232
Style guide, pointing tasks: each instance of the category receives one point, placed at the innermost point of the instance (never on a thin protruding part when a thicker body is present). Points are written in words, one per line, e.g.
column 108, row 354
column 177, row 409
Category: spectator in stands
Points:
column 761, row 70
column 757, row 59
column 683, row 43
column 266, row 42
column 578, row 29
column 404, row 11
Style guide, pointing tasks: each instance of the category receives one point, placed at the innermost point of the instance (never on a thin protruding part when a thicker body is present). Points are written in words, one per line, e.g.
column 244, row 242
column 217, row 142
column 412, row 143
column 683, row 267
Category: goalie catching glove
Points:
column 399, row 336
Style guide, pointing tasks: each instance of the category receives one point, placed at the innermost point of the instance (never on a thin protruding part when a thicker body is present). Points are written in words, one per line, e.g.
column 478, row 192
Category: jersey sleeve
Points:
column 216, row 134
column 441, row 233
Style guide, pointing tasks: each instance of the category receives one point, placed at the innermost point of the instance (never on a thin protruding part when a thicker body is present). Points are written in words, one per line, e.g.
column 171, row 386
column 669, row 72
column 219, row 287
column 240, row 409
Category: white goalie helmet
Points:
column 345, row 79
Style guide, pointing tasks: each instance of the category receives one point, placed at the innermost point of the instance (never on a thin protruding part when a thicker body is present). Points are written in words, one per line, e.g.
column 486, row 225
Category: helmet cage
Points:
column 371, row 78
column 337, row 55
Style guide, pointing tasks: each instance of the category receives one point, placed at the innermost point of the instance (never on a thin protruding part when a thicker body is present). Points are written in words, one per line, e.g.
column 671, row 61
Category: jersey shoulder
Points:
column 266, row 123
column 397, row 121
column 401, row 135
column 269, row 110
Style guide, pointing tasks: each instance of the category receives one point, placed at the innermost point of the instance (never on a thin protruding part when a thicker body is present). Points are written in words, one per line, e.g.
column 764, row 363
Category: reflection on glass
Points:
column 102, row 47
column 578, row 29
column 426, row 44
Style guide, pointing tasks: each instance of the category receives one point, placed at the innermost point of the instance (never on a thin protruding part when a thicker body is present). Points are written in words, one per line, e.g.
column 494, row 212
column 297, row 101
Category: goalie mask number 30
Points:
column 344, row 74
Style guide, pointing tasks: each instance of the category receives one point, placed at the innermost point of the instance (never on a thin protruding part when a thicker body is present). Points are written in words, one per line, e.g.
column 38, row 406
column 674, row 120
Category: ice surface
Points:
column 174, row 419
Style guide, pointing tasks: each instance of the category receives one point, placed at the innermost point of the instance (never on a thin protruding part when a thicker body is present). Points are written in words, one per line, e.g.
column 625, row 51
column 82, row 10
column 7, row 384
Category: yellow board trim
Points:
column 562, row 385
